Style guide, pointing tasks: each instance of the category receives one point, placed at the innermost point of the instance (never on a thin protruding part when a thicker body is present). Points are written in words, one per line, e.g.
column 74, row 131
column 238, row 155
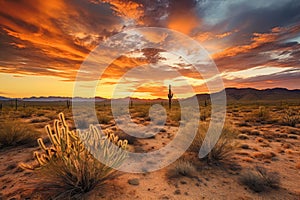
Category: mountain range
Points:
column 232, row 94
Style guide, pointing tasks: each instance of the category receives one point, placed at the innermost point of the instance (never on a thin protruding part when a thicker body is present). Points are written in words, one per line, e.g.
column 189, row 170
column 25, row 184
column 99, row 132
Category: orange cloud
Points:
column 154, row 90
column 128, row 10
column 50, row 38
column 184, row 23
column 257, row 40
column 121, row 65
column 205, row 36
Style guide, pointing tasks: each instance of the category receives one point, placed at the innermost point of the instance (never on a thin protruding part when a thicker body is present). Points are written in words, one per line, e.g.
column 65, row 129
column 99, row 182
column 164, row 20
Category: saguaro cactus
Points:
column 170, row 96
column 68, row 104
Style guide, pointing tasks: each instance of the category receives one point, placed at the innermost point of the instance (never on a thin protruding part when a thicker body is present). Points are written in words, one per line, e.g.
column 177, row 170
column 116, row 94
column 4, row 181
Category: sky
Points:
column 43, row 45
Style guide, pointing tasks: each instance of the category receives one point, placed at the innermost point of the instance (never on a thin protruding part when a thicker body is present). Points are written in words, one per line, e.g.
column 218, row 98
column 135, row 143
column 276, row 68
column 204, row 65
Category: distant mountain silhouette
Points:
column 251, row 94
column 4, row 98
column 52, row 98
column 232, row 94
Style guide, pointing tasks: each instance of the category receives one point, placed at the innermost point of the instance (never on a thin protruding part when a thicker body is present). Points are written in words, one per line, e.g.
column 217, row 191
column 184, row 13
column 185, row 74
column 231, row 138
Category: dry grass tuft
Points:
column 260, row 115
column 222, row 150
column 291, row 118
column 260, row 180
column 14, row 133
column 181, row 168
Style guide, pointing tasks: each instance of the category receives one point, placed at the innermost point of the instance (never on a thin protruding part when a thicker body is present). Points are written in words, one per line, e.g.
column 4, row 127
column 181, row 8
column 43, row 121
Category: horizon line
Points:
column 69, row 97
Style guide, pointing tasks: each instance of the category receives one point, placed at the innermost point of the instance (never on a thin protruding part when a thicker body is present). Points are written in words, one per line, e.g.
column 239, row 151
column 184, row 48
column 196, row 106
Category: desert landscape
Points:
column 146, row 100
column 256, row 157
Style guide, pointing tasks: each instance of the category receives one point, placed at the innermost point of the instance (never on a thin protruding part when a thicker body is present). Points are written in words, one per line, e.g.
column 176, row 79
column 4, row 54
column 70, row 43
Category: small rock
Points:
column 165, row 197
column 134, row 181
column 274, row 159
column 177, row 192
column 257, row 133
column 244, row 146
column 243, row 137
column 183, row 182
column 292, row 136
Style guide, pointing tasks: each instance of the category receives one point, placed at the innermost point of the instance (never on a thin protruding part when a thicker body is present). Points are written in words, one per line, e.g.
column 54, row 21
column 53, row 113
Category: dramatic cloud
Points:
column 53, row 38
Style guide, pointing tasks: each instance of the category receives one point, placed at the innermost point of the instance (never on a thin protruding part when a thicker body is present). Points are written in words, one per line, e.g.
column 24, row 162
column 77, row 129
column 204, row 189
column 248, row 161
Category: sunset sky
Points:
column 43, row 44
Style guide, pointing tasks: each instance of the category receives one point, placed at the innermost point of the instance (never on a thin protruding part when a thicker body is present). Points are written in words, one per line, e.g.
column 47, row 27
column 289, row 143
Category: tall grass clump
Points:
column 15, row 132
column 222, row 150
column 260, row 180
column 68, row 166
column 291, row 118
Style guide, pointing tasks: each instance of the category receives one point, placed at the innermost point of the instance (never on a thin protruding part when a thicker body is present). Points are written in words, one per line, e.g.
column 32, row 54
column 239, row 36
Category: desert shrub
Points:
column 104, row 119
column 175, row 115
column 141, row 111
column 181, row 168
column 39, row 120
column 68, row 167
column 259, row 179
column 14, row 133
column 290, row 118
column 221, row 150
column 262, row 114
column 203, row 115
column 26, row 113
column 129, row 138
column 82, row 122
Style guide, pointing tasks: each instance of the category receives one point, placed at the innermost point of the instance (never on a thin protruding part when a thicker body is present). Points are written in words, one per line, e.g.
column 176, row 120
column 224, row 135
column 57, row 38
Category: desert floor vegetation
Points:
column 265, row 135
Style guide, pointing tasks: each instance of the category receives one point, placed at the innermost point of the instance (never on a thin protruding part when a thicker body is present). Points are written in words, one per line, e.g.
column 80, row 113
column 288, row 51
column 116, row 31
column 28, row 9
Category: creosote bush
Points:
column 222, row 150
column 260, row 180
column 14, row 133
column 68, row 165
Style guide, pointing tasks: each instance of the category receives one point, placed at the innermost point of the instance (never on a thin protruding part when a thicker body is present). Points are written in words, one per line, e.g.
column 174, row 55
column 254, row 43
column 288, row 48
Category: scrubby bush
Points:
column 291, row 118
column 259, row 179
column 175, row 115
column 104, row 119
column 221, row 150
column 181, row 168
column 15, row 132
column 68, row 166
column 262, row 114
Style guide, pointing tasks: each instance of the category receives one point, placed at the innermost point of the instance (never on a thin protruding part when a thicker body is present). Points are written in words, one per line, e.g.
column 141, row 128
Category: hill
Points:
column 255, row 95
